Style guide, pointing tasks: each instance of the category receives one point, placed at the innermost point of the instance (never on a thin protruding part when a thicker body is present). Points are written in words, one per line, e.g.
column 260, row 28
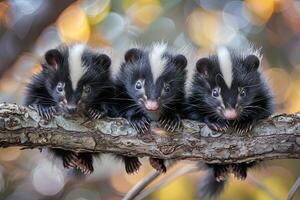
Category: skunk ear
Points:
column 133, row 54
column 202, row 66
column 102, row 61
column 252, row 62
column 52, row 58
column 180, row 61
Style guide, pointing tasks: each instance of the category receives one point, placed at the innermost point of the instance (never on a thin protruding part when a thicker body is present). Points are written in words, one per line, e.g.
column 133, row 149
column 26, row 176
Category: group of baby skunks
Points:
column 154, row 83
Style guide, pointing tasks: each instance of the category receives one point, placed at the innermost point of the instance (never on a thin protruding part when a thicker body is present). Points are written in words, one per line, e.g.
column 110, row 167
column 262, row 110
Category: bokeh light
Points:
column 96, row 10
column 280, row 82
column 142, row 12
column 207, row 30
column 259, row 12
column 73, row 25
column 176, row 190
column 47, row 179
column 10, row 154
column 82, row 194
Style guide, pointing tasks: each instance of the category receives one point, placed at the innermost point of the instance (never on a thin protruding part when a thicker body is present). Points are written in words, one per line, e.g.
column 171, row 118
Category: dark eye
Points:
column 60, row 87
column 138, row 85
column 242, row 92
column 87, row 89
column 215, row 93
column 167, row 88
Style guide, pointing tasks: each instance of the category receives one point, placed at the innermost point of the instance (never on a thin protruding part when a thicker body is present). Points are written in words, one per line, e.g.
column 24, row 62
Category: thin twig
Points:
column 167, row 179
column 262, row 186
column 294, row 189
column 142, row 184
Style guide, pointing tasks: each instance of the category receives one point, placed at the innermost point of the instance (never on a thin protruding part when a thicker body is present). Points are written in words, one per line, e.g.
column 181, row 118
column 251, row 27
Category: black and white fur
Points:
column 228, row 90
column 150, row 87
column 73, row 79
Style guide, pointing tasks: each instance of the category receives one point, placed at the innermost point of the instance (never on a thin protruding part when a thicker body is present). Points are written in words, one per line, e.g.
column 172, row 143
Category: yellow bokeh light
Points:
column 123, row 182
column 203, row 27
column 10, row 154
column 73, row 25
column 97, row 10
column 120, row 184
column 179, row 189
column 275, row 185
column 280, row 81
column 98, row 40
column 142, row 12
column 293, row 99
column 4, row 8
column 260, row 11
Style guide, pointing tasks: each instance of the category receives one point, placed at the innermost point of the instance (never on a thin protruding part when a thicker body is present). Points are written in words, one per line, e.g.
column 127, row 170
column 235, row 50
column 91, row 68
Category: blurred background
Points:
column 30, row 27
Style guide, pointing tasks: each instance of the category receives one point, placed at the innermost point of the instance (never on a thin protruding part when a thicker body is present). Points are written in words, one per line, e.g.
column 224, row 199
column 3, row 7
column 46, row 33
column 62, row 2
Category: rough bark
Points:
column 276, row 137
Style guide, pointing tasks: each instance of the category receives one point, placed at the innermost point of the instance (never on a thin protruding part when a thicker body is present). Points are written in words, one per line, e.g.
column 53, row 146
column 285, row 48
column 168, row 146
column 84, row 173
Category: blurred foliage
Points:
column 272, row 24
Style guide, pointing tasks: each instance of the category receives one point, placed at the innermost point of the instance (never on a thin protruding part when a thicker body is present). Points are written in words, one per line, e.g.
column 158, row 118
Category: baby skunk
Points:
column 228, row 90
column 73, row 78
column 150, row 87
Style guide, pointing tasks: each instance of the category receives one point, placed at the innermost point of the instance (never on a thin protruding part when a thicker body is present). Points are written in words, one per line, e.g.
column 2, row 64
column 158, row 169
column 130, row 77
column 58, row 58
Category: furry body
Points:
column 150, row 87
column 73, row 79
column 228, row 90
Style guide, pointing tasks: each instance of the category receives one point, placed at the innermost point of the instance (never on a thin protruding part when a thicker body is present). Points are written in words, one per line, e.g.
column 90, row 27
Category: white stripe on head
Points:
column 75, row 64
column 157, row 62
column 225, row 65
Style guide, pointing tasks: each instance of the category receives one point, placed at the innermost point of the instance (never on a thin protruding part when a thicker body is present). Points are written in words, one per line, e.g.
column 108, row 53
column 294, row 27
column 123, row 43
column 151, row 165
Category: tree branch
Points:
column 277, row 137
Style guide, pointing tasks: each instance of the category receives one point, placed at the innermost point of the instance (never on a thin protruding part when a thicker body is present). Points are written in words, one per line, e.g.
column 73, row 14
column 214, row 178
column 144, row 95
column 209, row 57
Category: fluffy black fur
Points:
column 51, row 92
column 249, row 96
column 135, row 86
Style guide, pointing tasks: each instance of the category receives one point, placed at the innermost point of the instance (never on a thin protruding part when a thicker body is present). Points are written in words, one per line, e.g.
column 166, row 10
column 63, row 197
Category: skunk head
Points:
column 229, row 82
column 153, row 79
column 74, row 75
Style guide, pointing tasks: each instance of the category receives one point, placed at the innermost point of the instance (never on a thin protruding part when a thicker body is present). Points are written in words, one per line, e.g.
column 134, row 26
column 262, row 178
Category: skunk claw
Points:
column 132, row 164
column 133, row 125
column 95, row 114
column 141, row 125
column 170, row 123
column 221, row 173
column 46, row 112
column 158, row 164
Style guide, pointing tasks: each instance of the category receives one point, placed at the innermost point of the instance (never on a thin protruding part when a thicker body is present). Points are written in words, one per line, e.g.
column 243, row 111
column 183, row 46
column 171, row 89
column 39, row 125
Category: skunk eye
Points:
column 87, row 89
column 215, row 93
column 60, row 87
column 242, row 92
column 167, row 88
column 138, row 85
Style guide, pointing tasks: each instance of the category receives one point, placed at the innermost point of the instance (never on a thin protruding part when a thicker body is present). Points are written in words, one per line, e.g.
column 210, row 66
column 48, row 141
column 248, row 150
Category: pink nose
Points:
column 151, row 105
column 230, row 114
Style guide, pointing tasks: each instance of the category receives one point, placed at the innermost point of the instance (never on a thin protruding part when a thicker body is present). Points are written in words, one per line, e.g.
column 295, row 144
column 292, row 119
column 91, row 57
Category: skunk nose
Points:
column 71, row 108
column 230, row 113
column 151, row 105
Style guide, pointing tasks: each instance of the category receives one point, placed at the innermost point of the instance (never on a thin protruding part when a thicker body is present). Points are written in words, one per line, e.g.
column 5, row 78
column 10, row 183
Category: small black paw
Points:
column 95, row 114
column 158, row 164
column 239, row 171
column 221, row 172
column 218, row 125
column 141, row 125
column 81, row 161
column 170, row 123
column 46, row 112
column 70, row 160
column 243, row 127
column 132, row 164
column 85, row 164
